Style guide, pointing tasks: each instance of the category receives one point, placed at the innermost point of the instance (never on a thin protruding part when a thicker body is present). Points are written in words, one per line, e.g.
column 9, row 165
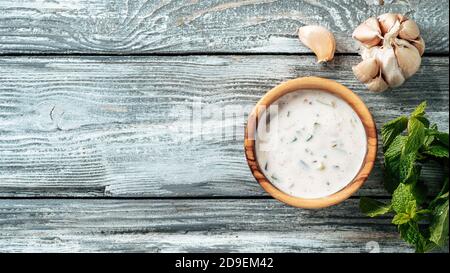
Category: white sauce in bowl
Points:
column 311, row 145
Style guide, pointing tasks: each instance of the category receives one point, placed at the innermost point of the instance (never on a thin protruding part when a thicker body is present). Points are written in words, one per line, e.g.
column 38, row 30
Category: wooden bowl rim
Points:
column 327, row 85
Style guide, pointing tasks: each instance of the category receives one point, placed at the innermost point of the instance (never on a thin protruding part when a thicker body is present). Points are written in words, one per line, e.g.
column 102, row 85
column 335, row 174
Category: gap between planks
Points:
column 166, row 198
column 181, row 54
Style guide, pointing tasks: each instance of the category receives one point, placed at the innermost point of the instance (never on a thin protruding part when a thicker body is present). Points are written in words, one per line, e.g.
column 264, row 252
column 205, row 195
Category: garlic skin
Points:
column 320, row 40
column 391, row 49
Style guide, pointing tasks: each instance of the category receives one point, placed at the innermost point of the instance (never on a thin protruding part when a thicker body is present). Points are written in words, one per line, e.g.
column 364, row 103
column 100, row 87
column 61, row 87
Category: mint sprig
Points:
column 408, row 143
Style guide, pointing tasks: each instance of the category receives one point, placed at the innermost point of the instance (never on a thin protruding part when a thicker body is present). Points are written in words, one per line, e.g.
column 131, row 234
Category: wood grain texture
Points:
column 190, row 226
column 146, row 26
column 120, row 126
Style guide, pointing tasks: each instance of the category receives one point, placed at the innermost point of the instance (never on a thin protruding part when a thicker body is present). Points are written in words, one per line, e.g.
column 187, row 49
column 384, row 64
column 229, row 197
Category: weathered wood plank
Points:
column 190, row 226
column 138, row 26
column 121, row 126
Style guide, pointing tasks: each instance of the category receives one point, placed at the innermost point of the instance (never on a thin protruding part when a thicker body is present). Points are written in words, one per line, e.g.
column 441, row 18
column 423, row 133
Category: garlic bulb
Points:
column 320, row 40
column 391, row 49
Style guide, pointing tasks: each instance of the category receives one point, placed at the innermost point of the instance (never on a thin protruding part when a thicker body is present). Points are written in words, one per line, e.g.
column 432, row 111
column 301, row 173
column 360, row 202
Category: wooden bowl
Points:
column 317, row 84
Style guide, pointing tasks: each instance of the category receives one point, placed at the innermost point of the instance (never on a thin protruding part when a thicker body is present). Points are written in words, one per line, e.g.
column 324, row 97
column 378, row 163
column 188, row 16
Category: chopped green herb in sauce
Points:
column 331, row 104
column 304, row 165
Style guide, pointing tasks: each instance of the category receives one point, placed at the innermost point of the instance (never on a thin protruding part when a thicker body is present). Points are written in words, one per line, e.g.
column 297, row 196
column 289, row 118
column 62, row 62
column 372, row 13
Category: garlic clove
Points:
column 408, row 57
column 366, row 70
column 391, row 34
column 390, row 69
column 402, row 18
column 419, row 43
column 377, row 85
column 387, row 20
column 320, row 40
column 367, row 53
column 409, row 30
column 368, row 32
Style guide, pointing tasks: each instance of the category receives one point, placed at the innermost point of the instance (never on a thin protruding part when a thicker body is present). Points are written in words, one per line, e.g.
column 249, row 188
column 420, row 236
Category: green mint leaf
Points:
column 428, row 140
column 422, row 214
column 392, row 129
column 410, row 232
column 401, row 218
column 441, row 196
column 412, row 209
column 429, row 135
column 402, row 198
column 416, row 137
column 395, row 149
column 420, row 110
column 444, row 191
column 439, row 224
column 407, row 167
column 392, row 163
column 372, row 207
column 441, row 137
column 424, row 121
column 437, row 151
column 404, row 217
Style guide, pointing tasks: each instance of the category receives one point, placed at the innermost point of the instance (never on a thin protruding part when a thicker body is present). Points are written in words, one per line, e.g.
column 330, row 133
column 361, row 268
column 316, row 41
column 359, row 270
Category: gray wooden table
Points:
column 91, row 153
